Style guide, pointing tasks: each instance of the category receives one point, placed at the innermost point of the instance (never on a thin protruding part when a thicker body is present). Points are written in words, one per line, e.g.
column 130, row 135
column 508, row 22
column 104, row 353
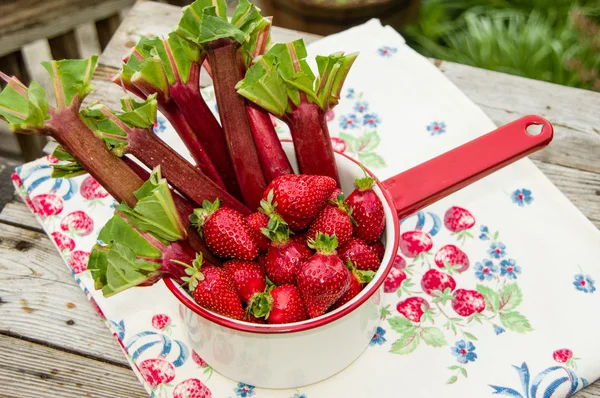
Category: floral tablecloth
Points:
column 525, row 255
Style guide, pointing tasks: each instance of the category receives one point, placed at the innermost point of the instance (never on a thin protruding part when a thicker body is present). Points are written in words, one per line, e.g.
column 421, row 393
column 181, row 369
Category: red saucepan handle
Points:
column 439, row 177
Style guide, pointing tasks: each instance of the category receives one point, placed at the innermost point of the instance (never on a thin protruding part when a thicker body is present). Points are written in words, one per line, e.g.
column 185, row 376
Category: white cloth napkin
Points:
column 532, row 254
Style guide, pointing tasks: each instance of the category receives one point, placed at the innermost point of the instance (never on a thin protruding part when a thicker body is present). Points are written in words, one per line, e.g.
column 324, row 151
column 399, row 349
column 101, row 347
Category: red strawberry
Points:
column 279, row 305
column 47, row 204
column 77, row 222
column 359, row 280
column 262, row 262
column 213, row 289
column 225, row 231
column 379, row 249
column 256, row 222
column 413, row 243
column 285, row 256
column 394, row 279
column 458, row 219
column 91, row 189
column 300, row 238
column 436, row 280
column 323, row 279
column 562, row 355
column 467, row 302
column 333, row 221
column 412, row 308
column 63, row 241
column 252, row 319
column 191, row 388
column 299, row 198
column 367, row 210
column 161, row 321
column 334, row 197
column 157, row 371
column 360, row 254
column 248, row 277
column 79, row 260
column 453, row 256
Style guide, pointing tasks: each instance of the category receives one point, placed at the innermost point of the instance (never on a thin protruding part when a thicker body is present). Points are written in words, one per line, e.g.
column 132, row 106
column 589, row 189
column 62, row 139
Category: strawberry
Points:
column 191, row 388
column 63, row 241
column 562, row 355
column 79, row 260
column 225, row 231
column 413, row 243
column 284, row 256
column 157, row 371
column 248, row 277
column 367, row 210
column 161, row 321
column 47, row 204
column 360, row 254
column 412, row 308
column 332, row 201
column 433, row 280
column 359, row 280
column 252, row 319
column 333, row 221
column 213, row 289
column 256, row 222
column 300, row 238
column 78, row 223
column 394, row 279
column 379, row 249
column 467, row 302
column 453, row 256
column 262, row 262
column 458, row 219
column 323, row 279
column 299, row 198
column 90, row 189
column 279, row 305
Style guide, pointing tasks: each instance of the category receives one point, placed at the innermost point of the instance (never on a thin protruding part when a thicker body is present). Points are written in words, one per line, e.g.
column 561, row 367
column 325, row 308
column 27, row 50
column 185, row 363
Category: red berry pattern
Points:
column 436, row 280
column 562, row 355
column 412, row 308
column 47, row 204
column 413, row 243
column 458, row 219
column 467, row 302
column 77, row 223
column 191, row 388
column 453, row 256
column 160, row 321
column 78, row 261
column 63, row 241
column 90, row 189
column 157, row 371
column 394, row 279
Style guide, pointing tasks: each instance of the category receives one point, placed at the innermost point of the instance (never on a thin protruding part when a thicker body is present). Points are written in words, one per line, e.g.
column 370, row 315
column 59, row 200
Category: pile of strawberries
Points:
column 305, row 252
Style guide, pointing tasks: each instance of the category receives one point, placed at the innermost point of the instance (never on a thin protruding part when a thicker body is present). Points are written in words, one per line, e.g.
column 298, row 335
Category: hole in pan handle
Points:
column 441, row 176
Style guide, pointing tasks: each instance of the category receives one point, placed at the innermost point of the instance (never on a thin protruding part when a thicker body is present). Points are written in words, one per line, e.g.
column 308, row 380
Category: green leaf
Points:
column 203, row 23
column 405, row 344
column 433, row 337
column 495, row 237
column 463, row 371
column 452, row 380
column 67, row 166
column 71, row 79
column 139, row 114
column 118, row 230
column 515, row 321
column 492, row 298
column 25, row 109
column 264, row 86
column 247, row 18
column 401, row 325
column 470, row 336
column 369, row 141
column 155, row 210
column 352, row 142
column 511, row 296
column 124, row 270
column 454, row 367
column 371, row 159
column 97, row 265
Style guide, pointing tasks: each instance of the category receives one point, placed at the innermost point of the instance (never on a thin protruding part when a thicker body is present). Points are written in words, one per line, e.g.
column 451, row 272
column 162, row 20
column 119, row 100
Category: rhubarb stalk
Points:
column 282, row 83
column 170, row 68
column 205, row 23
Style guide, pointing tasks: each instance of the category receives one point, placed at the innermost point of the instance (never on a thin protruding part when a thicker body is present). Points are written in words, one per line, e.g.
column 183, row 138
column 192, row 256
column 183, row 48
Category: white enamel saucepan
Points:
column 297, row 354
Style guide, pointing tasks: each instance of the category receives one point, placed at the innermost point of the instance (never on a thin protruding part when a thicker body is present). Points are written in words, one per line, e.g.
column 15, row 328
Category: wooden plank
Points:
column 41, row 301
column 6, row 190
column 32, row 370
column 591, row 391
column 106, row 28
column 23, row 21
column 16, row 212
column 64, row 46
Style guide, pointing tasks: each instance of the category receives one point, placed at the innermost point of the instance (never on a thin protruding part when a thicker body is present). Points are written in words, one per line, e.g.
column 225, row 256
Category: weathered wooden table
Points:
column 53, row 344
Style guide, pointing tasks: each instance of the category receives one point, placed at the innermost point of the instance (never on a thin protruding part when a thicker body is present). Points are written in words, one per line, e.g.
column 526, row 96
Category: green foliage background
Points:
column 552, row 40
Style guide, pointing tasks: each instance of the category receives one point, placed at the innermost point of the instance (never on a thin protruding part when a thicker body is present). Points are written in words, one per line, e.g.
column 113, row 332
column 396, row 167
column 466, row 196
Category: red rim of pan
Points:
column 305, row 325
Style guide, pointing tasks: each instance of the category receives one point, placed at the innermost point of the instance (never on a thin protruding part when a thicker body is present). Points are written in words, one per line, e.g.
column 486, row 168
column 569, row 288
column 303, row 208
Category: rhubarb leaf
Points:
column 205, row 21
column 155, row 210
column 118, row 230
column 71, row 79
column 264, row 86
column 98, row 119
column 139, row 114
column 333, row 71
column 184, row 55
column 24, row 109
column 124, row 270
column 67, row 166
column 97, row 265
column 151, row 77
column 247, row 18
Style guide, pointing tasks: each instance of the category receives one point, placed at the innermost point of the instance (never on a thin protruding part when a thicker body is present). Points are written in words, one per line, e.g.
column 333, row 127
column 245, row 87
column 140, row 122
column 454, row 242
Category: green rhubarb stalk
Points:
column 282, row 82
column 205, row 23
column 26, row 110
column 170, row 68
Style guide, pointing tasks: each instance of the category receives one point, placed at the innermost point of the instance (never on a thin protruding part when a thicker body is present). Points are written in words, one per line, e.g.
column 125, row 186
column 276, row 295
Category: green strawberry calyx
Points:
column 277, row 230
column 365, row 183
column 343, row 206
column 194, row 275
column 323, row 243
column 260, row 304
column 361, row 276
column 201, row 215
